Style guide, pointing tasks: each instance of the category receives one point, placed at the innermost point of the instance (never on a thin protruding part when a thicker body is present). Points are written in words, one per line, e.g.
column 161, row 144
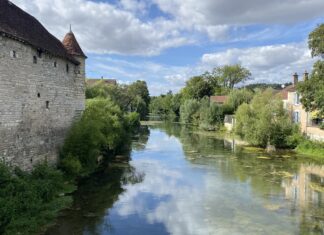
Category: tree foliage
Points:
column 316, row 41
column 166, row 106
column 133, row 98
column 237, row 97
column 265, row 121
column 196, row 88
column 229, row 75
column 29, row 201
column 102, row 130
column 312, row 90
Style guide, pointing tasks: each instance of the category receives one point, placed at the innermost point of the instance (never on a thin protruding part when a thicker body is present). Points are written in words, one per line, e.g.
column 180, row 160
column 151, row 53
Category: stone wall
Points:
column 38, row 103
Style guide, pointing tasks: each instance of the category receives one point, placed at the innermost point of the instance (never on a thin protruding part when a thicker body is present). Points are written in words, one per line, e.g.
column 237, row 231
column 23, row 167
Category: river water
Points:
column 183, row 183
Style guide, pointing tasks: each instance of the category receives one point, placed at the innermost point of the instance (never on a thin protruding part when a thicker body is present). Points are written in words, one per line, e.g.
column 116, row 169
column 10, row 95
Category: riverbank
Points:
column 305, row 148
column 201, row 184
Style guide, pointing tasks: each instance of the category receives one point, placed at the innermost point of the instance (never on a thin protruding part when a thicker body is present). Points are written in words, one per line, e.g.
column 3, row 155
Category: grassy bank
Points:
column 311, row 148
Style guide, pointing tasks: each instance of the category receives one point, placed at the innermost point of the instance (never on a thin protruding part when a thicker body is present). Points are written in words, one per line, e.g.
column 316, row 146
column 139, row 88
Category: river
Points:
column 184, row 183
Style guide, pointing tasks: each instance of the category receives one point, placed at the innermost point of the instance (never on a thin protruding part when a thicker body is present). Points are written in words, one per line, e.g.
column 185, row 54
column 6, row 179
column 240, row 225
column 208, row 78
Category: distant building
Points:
column 92, row 81
column 219, row 99
column 42, row 83
column 308, row 121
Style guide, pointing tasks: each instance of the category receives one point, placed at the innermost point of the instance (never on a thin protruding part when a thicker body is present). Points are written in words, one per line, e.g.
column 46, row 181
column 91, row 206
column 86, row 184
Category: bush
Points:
column 102, row 130
column 237, row 97
column 29, row 201
column 189, row 112
column 211, row 115
column 322, row 125
column 265, row 121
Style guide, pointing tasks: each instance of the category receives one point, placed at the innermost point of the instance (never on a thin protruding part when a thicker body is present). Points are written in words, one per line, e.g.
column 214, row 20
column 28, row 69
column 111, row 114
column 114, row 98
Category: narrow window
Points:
column 47, row 104
column 55, row 64
column 13, row 54
column 39, row 53
column 38, row 95
column 67, row 68
column 34, row 59
column 297, row 99
column 296, row 117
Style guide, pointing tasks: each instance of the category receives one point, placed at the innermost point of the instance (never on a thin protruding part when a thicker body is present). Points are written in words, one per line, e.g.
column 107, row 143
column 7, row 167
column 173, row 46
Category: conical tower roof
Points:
column 72, row 45
column 19, row 25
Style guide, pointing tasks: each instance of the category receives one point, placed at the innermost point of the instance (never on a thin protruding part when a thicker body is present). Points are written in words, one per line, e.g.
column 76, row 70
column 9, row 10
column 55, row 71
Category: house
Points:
column 308, row 121
column 92, row 81
column 218, row 99
column 42, row 88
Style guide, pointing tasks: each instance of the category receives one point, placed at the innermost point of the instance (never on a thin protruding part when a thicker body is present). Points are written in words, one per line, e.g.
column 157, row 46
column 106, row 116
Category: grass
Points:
column 311, row 148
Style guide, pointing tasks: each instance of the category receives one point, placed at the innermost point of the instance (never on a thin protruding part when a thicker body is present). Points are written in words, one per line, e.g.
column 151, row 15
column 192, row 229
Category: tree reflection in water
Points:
column 97, row 194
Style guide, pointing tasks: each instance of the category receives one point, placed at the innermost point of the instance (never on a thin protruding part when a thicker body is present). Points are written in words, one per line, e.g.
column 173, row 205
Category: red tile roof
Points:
column 72, row 45
column 220, row 99
column 19, row 25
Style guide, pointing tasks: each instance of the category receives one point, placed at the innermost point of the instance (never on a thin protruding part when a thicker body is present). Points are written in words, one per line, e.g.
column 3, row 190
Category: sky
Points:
column 165, row 42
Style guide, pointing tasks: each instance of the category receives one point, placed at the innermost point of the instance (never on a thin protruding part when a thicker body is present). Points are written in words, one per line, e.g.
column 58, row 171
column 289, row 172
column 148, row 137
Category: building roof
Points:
column 284, row 92
column 219, row 99
column 92, row 81
column 19, row 25
column 72, row 46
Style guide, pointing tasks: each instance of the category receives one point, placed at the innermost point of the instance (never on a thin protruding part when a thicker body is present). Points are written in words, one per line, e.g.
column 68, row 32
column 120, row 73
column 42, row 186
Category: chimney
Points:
column 305, row 76
column 295, row 79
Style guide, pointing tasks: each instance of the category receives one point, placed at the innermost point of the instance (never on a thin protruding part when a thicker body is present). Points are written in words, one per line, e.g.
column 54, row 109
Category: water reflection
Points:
column 184, row 183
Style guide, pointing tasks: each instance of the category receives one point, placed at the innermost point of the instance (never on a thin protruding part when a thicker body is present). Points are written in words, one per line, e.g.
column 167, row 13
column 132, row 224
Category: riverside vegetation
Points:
column 261, row 118
column 31, row 200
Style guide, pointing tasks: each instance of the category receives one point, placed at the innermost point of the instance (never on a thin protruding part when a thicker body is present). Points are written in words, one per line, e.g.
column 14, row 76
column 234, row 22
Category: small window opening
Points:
column 47, row 104
column 67, row 68
column 34, row 59
column 55, row 64
column 13, row 54
column 38, row 95
column 39, row 53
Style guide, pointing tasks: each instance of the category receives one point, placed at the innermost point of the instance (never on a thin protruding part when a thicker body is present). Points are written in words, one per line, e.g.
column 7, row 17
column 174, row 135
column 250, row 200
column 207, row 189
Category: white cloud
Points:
column 274, row 63
column 104, row 28
column 233, row 12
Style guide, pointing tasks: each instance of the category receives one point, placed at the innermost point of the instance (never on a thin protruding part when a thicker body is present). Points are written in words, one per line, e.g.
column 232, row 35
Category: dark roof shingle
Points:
column 21, row 26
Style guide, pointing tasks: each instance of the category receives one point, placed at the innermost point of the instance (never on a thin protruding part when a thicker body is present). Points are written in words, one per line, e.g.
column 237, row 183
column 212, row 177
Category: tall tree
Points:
column 230, row 75
column 196, row 88
column 312, row 89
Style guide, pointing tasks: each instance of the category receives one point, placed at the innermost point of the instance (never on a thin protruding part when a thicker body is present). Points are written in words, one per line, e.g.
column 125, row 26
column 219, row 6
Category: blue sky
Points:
column 165, row 42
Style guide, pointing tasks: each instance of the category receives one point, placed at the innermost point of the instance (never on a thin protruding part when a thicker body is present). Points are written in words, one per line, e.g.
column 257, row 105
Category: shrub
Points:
column 265, row 121
column 237, row 97
column 30, row 200
column 189, row 112
column 211, row 115
column 101, row 131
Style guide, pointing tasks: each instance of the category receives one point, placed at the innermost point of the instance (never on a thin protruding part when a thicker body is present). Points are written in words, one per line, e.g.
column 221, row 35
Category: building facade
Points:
column 308, row 122
column 42, row 83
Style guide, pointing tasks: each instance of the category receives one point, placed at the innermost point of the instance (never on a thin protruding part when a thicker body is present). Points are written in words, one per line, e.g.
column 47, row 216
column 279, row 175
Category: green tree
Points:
column 312, row 90
column 230, row 75
column 265, row 121
column 196, row 88
column 316, row 41
column 140, row 98
column 237, row 97
column 189, row 111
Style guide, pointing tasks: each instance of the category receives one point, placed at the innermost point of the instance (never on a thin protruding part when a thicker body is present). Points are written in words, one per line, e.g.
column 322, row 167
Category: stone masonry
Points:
column 40, row 97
